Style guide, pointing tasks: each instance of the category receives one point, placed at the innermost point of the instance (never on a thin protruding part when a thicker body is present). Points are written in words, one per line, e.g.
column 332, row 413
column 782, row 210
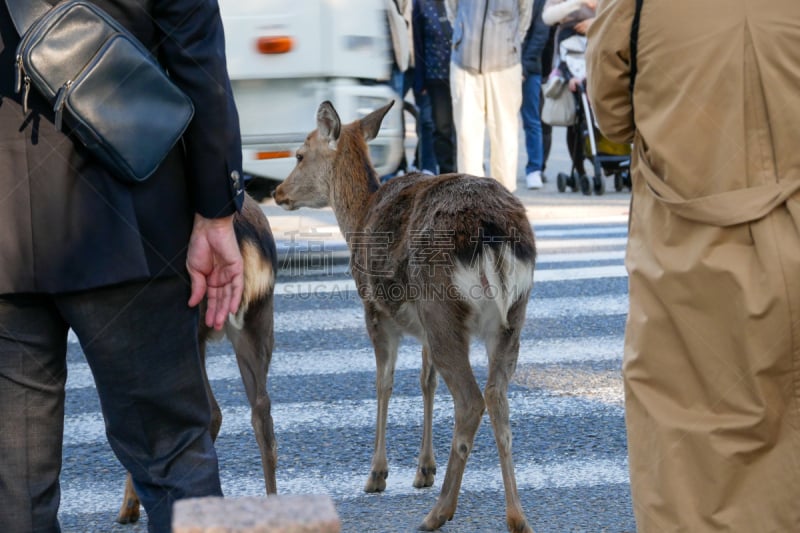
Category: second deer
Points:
column 442, row 258
column 250, row 332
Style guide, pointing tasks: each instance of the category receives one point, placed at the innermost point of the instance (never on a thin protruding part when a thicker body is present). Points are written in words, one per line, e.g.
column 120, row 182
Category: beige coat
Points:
column 712, row 345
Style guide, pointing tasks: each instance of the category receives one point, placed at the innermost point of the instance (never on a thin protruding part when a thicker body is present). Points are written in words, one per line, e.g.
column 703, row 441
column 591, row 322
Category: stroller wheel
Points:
column 617, row 182
column 586, row 185
column 599, row 185
column 561, row 182
column 574, row 182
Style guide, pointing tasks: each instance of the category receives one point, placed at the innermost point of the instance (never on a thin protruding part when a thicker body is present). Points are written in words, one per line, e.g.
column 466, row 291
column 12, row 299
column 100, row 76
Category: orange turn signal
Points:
column 278, row 44
column 261, row 156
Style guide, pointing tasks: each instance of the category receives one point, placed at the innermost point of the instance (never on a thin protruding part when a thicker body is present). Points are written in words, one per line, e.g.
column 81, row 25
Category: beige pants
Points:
column 490, row 101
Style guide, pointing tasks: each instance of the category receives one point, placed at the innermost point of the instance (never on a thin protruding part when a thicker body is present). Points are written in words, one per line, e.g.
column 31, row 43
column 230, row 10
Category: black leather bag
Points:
column 103, row 83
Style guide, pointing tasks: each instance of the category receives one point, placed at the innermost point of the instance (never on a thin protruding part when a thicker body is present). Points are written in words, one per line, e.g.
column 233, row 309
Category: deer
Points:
column 251, row 334
column 442, row 258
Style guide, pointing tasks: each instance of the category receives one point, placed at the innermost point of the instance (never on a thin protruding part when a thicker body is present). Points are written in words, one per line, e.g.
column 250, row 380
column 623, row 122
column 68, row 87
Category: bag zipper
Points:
column 35, row 30
column 20, row 79
column 58, row 107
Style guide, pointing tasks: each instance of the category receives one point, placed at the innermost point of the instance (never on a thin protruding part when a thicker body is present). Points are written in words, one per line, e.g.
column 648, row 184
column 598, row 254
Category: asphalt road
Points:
column 566, row 406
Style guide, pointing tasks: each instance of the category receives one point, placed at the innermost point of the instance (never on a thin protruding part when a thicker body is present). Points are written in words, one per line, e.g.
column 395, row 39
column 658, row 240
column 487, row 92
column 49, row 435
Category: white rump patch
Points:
column 492, row 284
column 259, row 280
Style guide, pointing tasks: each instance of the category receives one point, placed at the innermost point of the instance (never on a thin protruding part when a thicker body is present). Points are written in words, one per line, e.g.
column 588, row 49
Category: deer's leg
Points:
column 426, row 467
column 503, row 350
column 216, row 412
column 450, row 354
column 253, row 346
column 385, row 339
column 130, row 510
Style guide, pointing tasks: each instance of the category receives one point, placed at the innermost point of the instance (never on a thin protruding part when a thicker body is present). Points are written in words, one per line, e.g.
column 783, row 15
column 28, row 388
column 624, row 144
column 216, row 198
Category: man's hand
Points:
column 583, row 26
column 215, row 268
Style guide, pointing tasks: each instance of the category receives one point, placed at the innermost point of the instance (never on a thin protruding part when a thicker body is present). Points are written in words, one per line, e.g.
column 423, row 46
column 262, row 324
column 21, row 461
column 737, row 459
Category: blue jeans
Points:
column 426, row 157
column 532, row 123
column 401, row 82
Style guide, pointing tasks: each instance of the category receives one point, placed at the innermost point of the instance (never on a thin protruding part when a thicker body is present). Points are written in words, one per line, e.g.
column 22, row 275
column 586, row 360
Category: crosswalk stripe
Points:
column 310, row 289
column 570, row 474
column 353, row 317
column 577, row 257
column 332, row 362
column 558, row 244
column 88, row 428
column 566, row 224
column 345, row 318
column 543, row 233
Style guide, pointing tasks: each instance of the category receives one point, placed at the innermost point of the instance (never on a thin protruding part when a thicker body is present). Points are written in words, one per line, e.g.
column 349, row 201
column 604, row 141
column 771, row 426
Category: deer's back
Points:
column 464, row 212
column 420, row 230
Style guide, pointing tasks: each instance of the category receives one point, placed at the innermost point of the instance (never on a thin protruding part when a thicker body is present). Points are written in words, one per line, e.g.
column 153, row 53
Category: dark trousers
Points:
column 444, row 130
column 576, row 150
column 425, row 156
column 140, row 341
column 547, row 136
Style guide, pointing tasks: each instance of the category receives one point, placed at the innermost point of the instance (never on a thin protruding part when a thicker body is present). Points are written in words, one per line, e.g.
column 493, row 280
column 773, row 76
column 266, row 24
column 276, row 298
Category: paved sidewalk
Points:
column 309, row 239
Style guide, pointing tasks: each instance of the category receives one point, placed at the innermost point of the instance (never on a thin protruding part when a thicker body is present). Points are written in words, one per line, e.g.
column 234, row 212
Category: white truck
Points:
column 285, row 57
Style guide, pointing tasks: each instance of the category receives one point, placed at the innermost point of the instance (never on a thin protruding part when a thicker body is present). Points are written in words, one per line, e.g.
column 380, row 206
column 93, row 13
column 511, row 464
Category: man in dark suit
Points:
column 81, row 249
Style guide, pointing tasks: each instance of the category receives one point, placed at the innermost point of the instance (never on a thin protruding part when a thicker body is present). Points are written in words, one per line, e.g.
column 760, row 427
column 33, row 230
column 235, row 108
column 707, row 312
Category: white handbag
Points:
column 559, row 103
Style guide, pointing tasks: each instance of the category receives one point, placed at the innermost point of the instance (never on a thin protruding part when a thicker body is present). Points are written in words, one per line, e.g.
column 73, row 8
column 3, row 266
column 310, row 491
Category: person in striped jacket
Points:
column 485, row 82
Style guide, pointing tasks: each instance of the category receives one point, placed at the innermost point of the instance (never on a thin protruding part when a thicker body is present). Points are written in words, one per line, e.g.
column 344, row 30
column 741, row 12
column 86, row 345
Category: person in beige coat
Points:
column 712, row 345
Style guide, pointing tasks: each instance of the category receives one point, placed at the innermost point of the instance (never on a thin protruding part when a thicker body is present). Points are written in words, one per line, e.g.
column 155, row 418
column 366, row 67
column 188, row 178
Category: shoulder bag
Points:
column 102, row 82
column 559, row 107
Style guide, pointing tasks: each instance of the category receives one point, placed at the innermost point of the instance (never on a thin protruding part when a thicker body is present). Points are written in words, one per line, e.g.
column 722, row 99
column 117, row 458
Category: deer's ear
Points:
column 328, row 122
column 371, row 124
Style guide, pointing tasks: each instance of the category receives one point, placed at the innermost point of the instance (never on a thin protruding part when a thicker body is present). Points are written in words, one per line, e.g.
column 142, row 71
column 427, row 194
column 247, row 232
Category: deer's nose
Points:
column 281, row 199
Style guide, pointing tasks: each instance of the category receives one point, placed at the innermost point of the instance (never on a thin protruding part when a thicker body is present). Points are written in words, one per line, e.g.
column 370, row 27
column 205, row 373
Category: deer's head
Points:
column 318, row 159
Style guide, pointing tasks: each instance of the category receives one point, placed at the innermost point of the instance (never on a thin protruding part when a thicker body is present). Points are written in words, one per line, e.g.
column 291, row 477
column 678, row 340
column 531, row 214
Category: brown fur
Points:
column 250, row 332
column 426, row 253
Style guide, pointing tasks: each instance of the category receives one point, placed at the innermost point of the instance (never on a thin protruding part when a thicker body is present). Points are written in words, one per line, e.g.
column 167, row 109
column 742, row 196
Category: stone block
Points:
column 274, row 514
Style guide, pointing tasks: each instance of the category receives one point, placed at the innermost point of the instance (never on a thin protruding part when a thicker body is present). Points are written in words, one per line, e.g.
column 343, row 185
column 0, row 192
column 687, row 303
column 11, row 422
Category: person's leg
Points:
column 444, row 130
column 531, row 121
column 426, row 157
column 140, row 340
column 398, row 83
column 468, row 116
column 532, row 125
column 504, row 99
column 547, row 136
column 575, row 144
column 33, row 373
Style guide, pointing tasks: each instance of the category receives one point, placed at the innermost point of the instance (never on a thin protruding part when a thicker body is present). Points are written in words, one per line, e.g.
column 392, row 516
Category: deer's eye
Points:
column 299, row 157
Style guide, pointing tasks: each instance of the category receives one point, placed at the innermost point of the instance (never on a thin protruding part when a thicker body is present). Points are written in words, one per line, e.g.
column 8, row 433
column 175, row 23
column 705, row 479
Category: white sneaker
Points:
column 534, row 179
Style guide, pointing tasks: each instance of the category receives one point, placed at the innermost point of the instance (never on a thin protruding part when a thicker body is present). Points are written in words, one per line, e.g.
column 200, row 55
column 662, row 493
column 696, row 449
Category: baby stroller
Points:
column 608, row 158
column 587, row 142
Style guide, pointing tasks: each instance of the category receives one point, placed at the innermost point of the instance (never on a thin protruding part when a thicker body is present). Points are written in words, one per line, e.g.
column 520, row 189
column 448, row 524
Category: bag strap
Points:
column 25, row 12
column 635, row 41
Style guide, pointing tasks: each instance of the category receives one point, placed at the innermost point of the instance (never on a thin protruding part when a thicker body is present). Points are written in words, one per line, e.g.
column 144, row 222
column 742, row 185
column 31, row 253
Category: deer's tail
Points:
column 259, row 279
column 497, row 278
